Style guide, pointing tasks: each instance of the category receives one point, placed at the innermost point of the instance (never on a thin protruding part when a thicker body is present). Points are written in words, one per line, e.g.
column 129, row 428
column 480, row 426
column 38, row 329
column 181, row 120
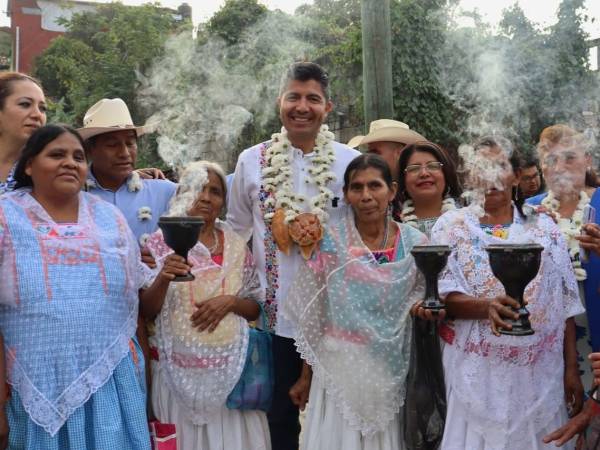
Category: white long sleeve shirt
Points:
column 246, row 217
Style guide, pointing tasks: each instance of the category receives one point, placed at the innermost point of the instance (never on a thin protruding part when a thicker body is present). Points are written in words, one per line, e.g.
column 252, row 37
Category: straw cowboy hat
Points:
column 107, row 115
column 387, row 130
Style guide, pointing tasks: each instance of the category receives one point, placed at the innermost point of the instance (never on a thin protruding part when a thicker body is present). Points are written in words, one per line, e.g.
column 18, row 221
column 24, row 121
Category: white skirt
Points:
column 326, row 429
column 231, row 429
column 458, row 435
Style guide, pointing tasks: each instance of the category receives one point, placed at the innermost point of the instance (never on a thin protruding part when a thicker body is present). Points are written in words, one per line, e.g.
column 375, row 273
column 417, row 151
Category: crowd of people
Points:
column 304, row 294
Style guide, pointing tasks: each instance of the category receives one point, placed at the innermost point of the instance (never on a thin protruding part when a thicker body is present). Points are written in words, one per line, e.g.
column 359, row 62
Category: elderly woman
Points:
column 71, row 271
column 572, row 185
column 504, row 392
column 427, row 185
column 202, row 332
column 22, row 111
column 351, row 304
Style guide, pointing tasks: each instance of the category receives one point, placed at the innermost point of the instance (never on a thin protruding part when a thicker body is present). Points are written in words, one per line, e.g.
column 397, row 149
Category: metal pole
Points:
column 377, row 60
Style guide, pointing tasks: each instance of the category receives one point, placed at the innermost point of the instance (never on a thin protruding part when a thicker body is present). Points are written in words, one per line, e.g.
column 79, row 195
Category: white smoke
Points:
column 202, row 96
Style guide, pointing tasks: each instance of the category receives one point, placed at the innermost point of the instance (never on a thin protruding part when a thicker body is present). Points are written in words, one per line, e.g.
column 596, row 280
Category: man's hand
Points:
column 151, row 174
column 543, row 210
column 590, row 240
column 300, row 391
column 575, row 426
column 595, row 358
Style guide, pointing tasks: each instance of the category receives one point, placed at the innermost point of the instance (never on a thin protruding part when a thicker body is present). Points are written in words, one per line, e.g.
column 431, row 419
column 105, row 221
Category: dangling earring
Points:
column 389, row 211
column 516, row 193
column 447, row 193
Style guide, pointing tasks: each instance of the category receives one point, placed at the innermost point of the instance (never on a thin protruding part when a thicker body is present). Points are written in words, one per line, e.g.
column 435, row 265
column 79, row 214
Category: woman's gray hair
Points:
column 191, row 182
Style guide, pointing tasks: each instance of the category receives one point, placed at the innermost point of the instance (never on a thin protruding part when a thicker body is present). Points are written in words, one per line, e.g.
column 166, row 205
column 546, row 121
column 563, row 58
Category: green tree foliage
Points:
column 419, row 31
column 333, row 28
column 450, row 82
column 234, row 17
column 570, row 78
column 5, row 50
column 102, row 54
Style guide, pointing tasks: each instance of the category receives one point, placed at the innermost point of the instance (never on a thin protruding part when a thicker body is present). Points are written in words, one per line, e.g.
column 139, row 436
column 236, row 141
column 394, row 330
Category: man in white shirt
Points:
column 300, row 171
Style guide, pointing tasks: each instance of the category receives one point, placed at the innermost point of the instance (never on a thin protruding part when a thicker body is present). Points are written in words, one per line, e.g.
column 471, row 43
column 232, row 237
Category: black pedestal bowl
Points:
column 515, row 265
column 181, row 234
column 431, row 260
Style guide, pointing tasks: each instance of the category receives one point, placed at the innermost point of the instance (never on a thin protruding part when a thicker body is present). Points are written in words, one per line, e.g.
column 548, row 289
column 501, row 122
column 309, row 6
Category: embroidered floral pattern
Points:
column 271, row 265
column 499, row 230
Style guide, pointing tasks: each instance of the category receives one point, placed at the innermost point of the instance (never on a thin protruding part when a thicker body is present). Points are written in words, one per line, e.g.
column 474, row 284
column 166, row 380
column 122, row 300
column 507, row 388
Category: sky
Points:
column 539, row 11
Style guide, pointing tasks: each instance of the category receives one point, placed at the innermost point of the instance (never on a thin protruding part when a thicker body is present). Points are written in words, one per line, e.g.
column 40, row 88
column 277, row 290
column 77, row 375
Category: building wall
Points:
column 33, row 26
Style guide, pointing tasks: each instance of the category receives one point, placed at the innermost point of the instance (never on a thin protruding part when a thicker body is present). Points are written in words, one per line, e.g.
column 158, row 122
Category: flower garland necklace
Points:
column 570, row 228
column 277, row 176
column 408, row 211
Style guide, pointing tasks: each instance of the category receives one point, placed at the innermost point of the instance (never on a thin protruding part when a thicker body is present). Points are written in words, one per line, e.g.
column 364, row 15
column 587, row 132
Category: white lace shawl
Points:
column 507, row 384
column 68, row 303
column 202, row 368
column 353, row 323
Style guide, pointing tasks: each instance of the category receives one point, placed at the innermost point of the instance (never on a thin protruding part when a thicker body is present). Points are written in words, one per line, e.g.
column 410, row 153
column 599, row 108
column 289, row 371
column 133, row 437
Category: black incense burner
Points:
column 515, row 265
column 431, row 260
column 181, row 234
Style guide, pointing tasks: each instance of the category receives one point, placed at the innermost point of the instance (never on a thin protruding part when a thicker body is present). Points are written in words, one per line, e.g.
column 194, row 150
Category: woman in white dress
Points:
column 504, row 392
column 351, row 303
column 202, row 331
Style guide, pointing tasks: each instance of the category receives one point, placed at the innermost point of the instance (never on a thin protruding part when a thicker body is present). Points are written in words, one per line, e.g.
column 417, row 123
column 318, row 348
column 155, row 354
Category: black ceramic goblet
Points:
column 515, row 265
column 430, row 260
column 181, row 234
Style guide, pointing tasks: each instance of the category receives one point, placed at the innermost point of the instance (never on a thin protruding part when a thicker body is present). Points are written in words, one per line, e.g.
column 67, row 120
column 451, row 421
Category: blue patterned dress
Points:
column 68, row 313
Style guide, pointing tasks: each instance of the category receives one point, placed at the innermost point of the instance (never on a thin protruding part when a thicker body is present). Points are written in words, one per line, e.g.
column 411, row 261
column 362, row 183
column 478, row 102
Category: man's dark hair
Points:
column 530, row 160
column 305, row 71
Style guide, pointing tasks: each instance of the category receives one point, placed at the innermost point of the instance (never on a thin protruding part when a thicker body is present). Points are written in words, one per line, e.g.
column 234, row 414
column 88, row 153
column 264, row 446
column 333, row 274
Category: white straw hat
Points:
column 107, row 115
column 387, row 130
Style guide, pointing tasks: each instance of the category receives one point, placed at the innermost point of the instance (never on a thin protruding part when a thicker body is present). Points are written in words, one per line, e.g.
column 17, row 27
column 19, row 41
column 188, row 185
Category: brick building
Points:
column 34, row 25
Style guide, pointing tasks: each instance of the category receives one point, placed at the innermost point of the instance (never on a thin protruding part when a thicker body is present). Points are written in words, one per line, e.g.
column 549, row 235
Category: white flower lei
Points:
column 143, row 239
column 144, row 213
column 134, row 183
column 277, row 176
column 570, row 228
column 408, row 210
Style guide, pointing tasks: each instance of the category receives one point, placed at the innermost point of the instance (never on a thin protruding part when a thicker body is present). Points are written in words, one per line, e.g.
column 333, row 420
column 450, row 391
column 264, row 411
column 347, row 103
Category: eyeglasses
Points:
column 431, row 166
column 528, row 178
